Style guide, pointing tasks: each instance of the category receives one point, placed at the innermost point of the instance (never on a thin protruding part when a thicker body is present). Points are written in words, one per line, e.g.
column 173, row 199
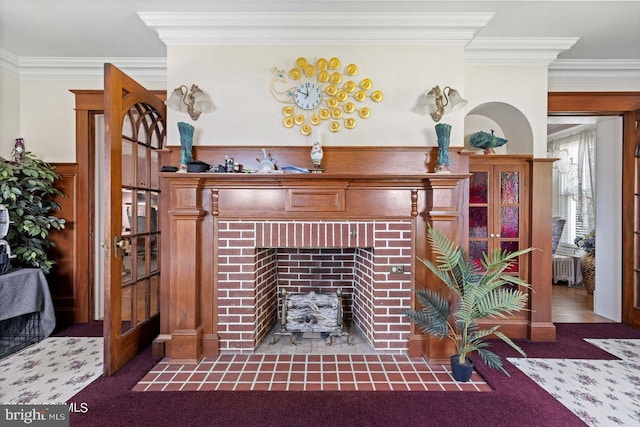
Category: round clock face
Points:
column 307, row 96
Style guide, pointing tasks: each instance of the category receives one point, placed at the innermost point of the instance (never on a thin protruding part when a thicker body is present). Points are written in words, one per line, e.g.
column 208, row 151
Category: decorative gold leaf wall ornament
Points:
column 322, row 92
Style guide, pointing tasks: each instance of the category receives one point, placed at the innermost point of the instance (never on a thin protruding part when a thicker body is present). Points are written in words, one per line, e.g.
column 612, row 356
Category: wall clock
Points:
column 322, row 92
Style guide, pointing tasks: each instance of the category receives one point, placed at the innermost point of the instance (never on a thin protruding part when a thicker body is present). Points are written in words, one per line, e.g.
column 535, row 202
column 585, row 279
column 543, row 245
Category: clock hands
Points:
column 306, row 95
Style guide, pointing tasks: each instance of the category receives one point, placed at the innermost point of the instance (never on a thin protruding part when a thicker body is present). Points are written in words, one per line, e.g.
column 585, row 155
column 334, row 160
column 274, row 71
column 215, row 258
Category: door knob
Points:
column 118, row 244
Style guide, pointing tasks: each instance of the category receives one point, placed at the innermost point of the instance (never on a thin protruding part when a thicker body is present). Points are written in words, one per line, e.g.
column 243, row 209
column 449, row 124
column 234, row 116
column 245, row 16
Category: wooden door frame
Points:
column 622, row 104
column 88, row 103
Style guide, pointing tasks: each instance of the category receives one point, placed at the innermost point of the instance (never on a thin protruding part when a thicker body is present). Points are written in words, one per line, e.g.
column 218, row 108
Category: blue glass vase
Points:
column 443, row 131
column 186, row 142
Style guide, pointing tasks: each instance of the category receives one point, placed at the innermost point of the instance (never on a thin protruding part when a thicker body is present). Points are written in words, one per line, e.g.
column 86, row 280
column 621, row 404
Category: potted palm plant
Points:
column 470, row 292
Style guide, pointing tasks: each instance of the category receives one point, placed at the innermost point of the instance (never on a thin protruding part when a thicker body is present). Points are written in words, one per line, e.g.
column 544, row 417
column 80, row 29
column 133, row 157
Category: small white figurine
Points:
column 316, row 157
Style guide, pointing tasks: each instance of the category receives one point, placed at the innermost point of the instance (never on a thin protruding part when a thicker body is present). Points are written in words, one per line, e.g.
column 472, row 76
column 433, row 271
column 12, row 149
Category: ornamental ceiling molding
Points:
column 318, row 28
column 516, row 50
column 595, row 70
column 52, row 68
column 9, row 63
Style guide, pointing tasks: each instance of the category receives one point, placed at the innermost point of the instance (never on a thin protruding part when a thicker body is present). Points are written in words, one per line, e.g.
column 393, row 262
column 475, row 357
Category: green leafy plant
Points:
column 27, row 190
column 474, row 292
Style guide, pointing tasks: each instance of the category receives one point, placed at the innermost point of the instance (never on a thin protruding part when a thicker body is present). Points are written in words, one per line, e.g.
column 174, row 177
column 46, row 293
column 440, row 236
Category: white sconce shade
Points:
column 175, row 100
column 456, row 101
column 430, row 101
column 201, row 102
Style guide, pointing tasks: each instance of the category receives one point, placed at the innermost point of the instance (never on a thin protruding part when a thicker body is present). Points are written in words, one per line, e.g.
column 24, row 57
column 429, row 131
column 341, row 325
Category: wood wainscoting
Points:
column 67, row 281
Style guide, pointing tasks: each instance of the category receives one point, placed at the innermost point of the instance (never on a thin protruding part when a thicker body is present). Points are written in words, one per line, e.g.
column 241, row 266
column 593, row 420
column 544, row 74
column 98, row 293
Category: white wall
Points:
column 237, row 79
column 521, row 88
column 47, row 116
column 9, row 113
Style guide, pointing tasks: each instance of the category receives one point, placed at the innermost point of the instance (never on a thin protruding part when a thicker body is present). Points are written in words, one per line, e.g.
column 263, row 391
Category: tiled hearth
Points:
column 306, row 372
column 311, row 365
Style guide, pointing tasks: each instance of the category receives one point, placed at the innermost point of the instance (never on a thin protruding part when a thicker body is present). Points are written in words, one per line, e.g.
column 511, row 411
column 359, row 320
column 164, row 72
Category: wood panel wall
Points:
column 68, row 300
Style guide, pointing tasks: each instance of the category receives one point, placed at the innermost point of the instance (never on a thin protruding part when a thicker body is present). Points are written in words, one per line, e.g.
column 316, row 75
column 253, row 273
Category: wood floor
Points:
column 574, row 305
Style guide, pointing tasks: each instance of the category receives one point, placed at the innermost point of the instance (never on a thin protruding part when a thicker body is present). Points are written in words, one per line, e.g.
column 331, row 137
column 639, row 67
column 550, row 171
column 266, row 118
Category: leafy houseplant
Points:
column 474, row 292
column 27, row 190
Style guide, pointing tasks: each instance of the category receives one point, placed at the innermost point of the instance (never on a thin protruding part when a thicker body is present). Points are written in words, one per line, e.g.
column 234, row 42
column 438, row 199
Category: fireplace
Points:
column 259, row 259
column 232, row 242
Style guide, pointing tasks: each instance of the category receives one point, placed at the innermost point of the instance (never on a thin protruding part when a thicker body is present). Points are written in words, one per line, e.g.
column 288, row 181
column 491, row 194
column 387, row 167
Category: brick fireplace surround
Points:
column 259, row 258
column 232, row 241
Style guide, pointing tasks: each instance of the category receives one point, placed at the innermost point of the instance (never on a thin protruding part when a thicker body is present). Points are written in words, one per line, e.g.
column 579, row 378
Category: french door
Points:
column 631, row 305
column 134, row 132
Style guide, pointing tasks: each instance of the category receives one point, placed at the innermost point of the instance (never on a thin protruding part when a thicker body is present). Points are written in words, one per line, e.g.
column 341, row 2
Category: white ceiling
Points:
column 606, row 30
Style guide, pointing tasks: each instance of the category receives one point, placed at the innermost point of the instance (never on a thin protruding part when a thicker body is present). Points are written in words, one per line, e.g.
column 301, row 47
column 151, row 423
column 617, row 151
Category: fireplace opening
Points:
column 321, row 271
column 253, row 272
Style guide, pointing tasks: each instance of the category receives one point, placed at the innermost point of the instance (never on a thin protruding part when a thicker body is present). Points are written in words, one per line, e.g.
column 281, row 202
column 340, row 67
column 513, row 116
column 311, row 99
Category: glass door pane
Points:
column 480, row 220
column 509, row 211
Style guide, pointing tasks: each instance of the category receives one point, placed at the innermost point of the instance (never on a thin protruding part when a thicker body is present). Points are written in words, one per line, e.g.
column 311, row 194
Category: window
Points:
column 574, row 179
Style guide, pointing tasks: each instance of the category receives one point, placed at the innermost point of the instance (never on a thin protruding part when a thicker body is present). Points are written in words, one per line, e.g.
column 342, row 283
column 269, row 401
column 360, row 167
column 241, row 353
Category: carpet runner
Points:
column 600, row 392
column 51, row 371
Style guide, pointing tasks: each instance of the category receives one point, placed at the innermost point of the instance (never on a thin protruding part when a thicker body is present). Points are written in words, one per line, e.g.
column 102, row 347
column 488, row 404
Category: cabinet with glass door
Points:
column 498, row 194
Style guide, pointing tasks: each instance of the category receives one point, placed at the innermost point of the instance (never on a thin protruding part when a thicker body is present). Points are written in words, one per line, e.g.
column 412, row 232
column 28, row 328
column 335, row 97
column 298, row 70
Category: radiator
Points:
column 564, row 269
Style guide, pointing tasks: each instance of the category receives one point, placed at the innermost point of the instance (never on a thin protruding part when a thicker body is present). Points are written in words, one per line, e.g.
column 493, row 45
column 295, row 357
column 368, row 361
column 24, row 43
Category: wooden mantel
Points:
column 194, row 203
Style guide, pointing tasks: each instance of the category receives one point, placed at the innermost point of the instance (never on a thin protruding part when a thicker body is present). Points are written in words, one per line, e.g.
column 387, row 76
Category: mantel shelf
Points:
column 257, row 178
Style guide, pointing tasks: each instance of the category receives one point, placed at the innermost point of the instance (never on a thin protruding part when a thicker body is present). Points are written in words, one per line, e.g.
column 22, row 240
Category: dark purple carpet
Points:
column 516, row 401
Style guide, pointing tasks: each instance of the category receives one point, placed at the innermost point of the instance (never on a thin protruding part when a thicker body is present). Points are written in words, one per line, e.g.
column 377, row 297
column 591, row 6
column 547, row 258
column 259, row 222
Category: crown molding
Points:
column 595, row 70
column 51, row 68
column 9, row 63
column 319, row 28
column 516, row 50
column 479, row 51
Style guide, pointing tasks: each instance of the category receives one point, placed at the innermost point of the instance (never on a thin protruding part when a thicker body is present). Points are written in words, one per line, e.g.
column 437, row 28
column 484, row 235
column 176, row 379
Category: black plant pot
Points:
column 461, row 372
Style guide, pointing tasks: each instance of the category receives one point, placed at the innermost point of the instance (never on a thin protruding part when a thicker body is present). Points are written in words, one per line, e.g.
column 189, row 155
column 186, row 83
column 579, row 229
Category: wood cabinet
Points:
column 498, row 207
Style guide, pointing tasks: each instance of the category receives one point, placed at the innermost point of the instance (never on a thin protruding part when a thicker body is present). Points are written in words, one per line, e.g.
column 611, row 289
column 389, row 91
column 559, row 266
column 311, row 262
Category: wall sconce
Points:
column 437, row 101
column 194, row 101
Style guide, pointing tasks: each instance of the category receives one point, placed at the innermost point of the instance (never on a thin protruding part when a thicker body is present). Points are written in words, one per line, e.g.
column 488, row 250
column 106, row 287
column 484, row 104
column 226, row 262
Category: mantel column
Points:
column 541, row 327
column 186, row 221
column 444, row 210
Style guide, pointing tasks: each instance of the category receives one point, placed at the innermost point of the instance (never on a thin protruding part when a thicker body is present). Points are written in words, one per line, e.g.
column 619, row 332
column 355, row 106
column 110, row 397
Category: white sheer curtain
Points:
column 575, row 177
column 586, row 197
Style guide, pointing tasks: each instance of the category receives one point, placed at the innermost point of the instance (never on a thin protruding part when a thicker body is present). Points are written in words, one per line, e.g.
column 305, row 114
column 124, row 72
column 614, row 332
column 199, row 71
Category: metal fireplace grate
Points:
column 310, row 314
